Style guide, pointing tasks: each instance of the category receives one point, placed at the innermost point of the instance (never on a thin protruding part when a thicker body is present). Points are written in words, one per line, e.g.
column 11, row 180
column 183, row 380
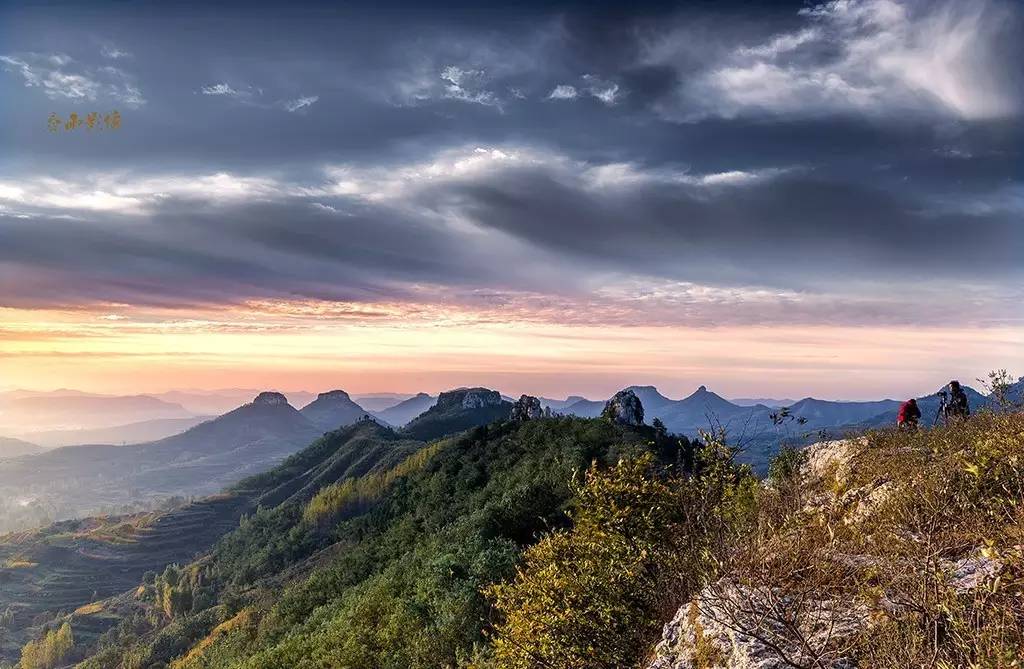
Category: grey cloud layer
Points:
column 531, row 223
column 820, row 154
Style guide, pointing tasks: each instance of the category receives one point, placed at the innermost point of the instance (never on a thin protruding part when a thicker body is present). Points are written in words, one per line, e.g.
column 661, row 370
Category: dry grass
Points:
column 89, row 609
column 909, row 551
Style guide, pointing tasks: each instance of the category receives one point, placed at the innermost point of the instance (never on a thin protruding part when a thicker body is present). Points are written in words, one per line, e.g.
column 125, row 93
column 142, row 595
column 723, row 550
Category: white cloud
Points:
column 864, row 56
column 563, row 92
column 220, row 89
column 119, row 193
column 630, row 175
column 782, row 44
column 110, row 51
column 605, row 91
column 468, row 85
column 42, row 73
column 60, row 77
column 301, row 103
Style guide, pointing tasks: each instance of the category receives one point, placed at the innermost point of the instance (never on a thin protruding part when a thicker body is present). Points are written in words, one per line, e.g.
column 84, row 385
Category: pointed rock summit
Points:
column 527, row 407
column 624, row 408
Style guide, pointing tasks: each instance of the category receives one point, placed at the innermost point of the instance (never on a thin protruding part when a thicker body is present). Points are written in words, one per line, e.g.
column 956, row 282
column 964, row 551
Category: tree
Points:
column 49, row 651
column 593, row 597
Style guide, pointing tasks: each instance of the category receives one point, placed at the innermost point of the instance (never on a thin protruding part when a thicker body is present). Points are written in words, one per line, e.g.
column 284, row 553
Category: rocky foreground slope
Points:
column 893, row 550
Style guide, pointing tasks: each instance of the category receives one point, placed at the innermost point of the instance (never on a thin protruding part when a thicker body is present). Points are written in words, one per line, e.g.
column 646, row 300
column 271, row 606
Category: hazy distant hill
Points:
column 764, row 401
column 458, row 410
column 583, row 408
column 825, row 413
column 333, row 410
column 929, row 406
column 132, row 433
column 76, row 561
column 80, row 411
column 198, row 461
column 216, row 402
column 12, row 448
column 380, row 401
column 559, row 405
column 405, row 411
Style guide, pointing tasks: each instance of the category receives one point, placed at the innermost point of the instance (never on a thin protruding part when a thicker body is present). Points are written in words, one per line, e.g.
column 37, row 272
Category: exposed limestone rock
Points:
column 334, row 395
column 625, row 409
column 270, row 398
column 527, row 407
column 831, row 459
column 972, row 572
column 469, row 398
column 737, row 627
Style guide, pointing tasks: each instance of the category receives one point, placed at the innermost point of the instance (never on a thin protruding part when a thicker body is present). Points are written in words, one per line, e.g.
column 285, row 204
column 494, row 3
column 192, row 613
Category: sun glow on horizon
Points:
column 411, row 348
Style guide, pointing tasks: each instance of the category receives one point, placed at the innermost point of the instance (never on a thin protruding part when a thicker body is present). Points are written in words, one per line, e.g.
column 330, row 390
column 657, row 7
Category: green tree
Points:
column 49, row 651
column 594, row 596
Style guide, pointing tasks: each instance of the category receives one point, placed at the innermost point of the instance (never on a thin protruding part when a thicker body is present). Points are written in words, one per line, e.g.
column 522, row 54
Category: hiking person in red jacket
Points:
column 908, row 416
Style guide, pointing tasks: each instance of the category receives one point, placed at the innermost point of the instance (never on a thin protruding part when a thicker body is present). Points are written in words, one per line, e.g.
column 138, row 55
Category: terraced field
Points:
column 71, row 567
column 70, row 564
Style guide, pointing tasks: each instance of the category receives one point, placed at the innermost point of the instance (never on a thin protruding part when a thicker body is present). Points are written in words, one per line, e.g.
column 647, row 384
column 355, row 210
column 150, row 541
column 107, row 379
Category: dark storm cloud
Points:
column 853, row 145
column 552, row 225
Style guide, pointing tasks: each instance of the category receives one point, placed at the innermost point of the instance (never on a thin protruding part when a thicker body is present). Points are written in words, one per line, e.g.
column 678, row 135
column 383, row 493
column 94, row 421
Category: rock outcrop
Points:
column 754, row 618
column 738, row 627
column 624, row 408
column 527, row 407
column 270, row 398
column 469, row 398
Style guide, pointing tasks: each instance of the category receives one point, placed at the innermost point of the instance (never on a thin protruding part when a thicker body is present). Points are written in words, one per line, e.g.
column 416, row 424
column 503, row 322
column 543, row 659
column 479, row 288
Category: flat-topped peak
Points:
column 469, row 398
column 333, row 394
column 270, row 398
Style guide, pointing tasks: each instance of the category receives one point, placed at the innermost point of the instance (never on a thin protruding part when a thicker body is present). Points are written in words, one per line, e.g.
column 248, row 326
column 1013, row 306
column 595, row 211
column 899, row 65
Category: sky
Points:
column 777, row 199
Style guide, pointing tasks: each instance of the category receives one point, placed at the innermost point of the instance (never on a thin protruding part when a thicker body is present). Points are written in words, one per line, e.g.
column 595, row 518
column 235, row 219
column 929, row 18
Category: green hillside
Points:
column 74, row 563
column 387, row 570
column 572, row 543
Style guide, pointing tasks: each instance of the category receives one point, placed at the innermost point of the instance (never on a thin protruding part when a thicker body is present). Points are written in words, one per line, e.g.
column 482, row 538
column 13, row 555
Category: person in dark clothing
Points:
column 908, row 415
column 958, row 406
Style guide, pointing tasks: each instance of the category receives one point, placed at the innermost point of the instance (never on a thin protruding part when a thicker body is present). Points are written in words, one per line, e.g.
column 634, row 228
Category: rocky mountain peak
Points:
column 469, row 398
column 270, row 398
column 624, row 408
column 333, row 394
column 527, row 407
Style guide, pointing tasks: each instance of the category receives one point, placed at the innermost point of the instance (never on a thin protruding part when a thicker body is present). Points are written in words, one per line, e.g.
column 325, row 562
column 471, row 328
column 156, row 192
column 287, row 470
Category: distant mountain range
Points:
column 28, row 413
column 13, row 448
column 458, row 410
column 704, row 407
column 132, row 433
column 403, row 412
column 332, row 410
column 765, row 401
column 198, row 461
column 929, row 406
column 380, row 401
column 214, row 453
